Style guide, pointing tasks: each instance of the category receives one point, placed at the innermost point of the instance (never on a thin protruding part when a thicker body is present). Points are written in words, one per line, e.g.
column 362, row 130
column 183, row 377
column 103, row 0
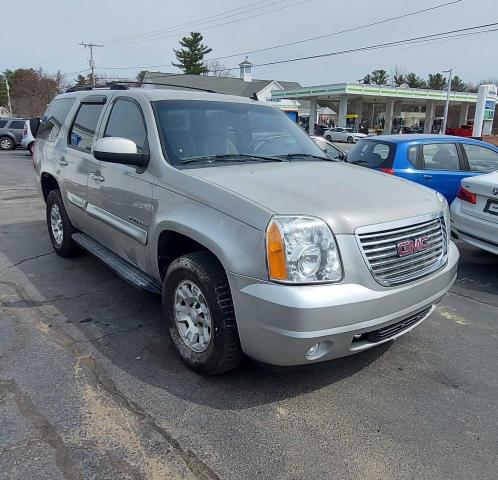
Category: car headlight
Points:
column 302, row 249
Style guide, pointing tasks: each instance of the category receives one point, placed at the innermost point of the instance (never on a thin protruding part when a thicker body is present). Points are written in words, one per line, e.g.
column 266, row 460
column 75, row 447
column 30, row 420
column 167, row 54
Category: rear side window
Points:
column 17, row 124
column 54, row 118
column 84, row 126
column 126, row 121
column 3, row 123
column 481, row 159
column 412, row 154
column 440, row 156
column 373, row 154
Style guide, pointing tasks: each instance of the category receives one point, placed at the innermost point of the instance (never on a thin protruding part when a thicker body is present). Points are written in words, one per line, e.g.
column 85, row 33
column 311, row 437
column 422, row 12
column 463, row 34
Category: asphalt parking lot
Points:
column 91, row 387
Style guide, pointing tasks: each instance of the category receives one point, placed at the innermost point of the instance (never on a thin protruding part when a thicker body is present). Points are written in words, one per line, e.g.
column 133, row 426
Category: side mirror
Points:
column 119, row 150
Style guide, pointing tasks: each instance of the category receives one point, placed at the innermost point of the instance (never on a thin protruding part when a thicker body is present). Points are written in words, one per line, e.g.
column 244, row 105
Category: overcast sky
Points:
column 46, row 34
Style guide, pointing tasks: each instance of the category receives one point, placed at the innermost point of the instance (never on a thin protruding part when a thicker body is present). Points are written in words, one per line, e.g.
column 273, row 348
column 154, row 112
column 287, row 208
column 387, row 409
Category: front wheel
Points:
column 198, row 307
column 6, row 143
column 328, row 138
column 350, row 140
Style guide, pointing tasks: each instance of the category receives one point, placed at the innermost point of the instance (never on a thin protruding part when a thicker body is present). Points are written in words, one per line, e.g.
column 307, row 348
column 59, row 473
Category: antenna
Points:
column 90, row 60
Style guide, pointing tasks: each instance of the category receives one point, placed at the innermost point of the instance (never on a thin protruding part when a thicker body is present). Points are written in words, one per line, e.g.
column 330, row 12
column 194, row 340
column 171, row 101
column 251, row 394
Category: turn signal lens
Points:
column 277, row 265
column 466, row 196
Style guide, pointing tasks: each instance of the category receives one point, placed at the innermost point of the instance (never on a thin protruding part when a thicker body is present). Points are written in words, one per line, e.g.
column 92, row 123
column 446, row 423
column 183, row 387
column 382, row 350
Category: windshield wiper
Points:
column 232, row 157
column 290, row 156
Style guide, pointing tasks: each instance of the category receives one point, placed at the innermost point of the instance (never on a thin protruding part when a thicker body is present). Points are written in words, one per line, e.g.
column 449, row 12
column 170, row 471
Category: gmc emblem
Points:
column 409, row 247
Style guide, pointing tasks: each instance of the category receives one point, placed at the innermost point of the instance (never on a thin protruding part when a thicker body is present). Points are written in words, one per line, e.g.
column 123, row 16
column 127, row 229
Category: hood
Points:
column 345, row 196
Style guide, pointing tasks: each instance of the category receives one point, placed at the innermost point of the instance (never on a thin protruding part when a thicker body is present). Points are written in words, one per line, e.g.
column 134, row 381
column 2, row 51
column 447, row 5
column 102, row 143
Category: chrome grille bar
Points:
column 381, row 251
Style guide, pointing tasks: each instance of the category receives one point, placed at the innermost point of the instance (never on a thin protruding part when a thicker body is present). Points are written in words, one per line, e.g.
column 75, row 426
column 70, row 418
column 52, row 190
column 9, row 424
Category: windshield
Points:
column 198, row 131
column 373, row 154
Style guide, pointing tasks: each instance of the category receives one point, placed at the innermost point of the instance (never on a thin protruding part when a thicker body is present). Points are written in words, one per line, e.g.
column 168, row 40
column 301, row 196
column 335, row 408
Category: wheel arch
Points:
column 48, row 183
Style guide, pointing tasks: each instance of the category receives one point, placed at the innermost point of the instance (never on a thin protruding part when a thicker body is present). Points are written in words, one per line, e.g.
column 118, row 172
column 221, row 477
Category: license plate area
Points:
column 491, row 207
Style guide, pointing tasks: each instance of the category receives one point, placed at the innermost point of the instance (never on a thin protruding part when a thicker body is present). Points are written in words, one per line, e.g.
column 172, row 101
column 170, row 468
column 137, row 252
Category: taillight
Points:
column 466, row 196
column 389, row 171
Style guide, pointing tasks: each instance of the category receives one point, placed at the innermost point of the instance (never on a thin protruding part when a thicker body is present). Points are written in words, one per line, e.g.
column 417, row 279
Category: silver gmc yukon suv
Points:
column 258, row 243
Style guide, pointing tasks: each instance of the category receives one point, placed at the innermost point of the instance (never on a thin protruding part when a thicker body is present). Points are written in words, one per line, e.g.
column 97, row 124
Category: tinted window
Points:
column 440, row 156
column 200, row 129
column 3, row 123
column 481, row 159
column 84, row 126
column 126, row 121
column 52, row 121
column 17, row 124
column 374, row 154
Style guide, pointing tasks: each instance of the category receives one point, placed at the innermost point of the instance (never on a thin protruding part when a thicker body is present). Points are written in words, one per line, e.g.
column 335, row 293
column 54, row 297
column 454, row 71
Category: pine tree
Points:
column 414, row 81
column 458, row 85
column 436, row 81
column 191, row 55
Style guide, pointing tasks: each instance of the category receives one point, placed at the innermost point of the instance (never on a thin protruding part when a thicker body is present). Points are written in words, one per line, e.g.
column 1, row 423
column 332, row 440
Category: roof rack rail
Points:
column 126, row 82
column 110, row 86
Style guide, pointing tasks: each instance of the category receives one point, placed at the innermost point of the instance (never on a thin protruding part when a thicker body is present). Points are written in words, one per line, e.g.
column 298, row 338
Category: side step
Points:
column 124, row 269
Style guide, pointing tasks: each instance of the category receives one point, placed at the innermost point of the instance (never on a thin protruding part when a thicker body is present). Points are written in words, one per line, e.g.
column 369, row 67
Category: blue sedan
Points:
column 436, row 161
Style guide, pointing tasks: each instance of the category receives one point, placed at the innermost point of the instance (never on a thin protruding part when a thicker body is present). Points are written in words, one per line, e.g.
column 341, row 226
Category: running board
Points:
column 124, row 269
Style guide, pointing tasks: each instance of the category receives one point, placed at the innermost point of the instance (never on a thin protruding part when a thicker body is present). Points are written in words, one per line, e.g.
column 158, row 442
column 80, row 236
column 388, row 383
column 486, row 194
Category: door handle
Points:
column 97, row 176
column 428, row 177
column 63, row 162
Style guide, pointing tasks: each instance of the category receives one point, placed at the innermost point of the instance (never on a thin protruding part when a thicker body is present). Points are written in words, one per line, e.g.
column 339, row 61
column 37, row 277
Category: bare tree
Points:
column 217, row 69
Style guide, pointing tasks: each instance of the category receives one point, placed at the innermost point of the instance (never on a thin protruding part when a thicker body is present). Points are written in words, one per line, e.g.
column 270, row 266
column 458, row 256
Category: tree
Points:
column 191, row 55
column 414, row 81
column 458, row 85
column 436, row 81
column 398, row 77
column 216, row 69
column 82, row 80
column 377, row 77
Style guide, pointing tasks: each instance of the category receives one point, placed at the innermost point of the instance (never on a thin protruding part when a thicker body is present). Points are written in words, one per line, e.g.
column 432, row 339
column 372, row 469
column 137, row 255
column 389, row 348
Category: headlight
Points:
column 302, row 250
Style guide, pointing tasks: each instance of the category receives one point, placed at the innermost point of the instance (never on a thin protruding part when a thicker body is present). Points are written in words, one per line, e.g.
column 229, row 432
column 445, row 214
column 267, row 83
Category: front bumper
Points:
column 474, row 230
column 278, row 324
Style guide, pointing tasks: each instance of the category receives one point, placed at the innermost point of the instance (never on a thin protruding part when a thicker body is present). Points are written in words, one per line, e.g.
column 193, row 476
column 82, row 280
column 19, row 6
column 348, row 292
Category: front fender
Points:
column 239, row 247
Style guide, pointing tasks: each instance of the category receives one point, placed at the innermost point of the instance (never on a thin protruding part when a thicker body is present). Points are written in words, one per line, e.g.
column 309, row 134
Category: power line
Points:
column 371, row 47
column 193, row 22
column 132, row 42
column 339, row 32
column 448, row 35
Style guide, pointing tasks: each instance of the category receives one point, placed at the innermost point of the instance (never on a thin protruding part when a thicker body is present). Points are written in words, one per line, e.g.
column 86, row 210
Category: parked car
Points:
column 463, row 131
column 333, row 151
column 29, row 134
column 11, row 133
column 436, row 161
column 474, row 213
column 258, row 243
column 339, row 134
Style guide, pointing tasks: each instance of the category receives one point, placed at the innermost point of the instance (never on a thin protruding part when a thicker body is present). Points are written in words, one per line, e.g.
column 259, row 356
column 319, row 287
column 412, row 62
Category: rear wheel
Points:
column 31, row 147
column 6, row 143
column 198, row 307
column 328, row 138
column 350, row 140
column 60, row 227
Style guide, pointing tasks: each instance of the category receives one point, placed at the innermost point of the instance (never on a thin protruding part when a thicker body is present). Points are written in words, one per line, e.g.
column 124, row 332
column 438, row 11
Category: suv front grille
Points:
column 400, row 255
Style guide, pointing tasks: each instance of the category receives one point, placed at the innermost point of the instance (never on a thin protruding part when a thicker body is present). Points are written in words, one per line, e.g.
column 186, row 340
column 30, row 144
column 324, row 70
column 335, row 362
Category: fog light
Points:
column 312, row 351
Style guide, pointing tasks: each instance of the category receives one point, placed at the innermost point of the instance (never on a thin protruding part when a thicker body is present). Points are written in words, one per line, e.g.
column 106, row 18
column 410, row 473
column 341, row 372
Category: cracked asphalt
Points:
column 91, row 387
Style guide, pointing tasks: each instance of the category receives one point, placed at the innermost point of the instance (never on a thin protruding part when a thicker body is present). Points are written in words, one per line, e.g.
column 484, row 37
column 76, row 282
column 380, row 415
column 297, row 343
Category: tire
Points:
column 349, row 140
column 6, row 143
column 30, row 148
column 222, row 351
column 63, row 245
column 328, row 138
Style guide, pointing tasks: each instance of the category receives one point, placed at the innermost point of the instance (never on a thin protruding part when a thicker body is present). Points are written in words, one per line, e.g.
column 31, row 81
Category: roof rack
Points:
column 110, row 86
column 126, row 82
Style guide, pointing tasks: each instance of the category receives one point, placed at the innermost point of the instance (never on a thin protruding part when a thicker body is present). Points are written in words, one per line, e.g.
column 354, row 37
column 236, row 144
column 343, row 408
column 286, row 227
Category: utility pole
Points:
column 7, row 87
column 447, row 104
column 90, row 60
